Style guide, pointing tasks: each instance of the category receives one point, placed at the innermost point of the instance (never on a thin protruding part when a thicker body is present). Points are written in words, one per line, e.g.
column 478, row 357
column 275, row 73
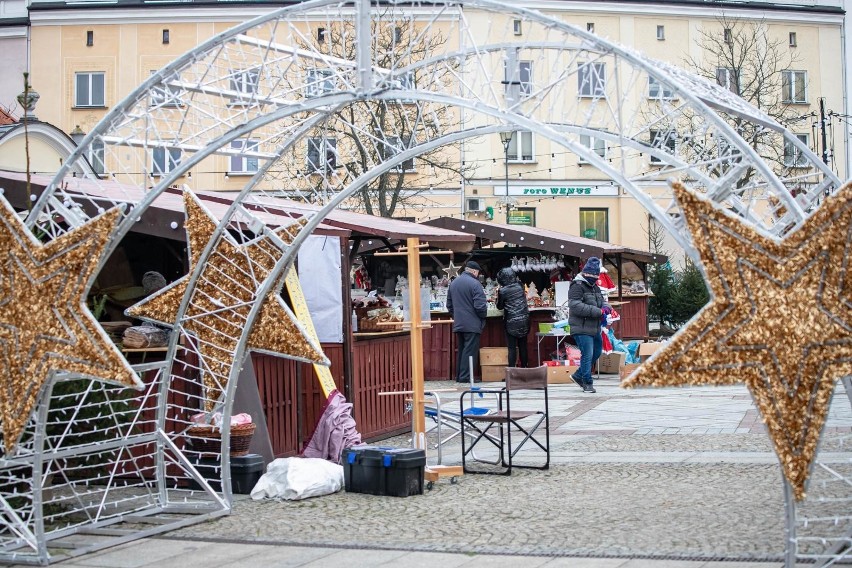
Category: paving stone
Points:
column 636, row 476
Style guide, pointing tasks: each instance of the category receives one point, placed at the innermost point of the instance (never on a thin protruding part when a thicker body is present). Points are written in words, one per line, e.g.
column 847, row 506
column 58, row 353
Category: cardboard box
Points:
column 494, row 356
column 626, row 370
column 611, row 363
column 493, row 373
column 648, row 349
column 560, row 374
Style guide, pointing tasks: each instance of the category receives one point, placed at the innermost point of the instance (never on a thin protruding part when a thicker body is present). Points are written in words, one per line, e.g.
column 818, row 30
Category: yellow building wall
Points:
column 127, row 53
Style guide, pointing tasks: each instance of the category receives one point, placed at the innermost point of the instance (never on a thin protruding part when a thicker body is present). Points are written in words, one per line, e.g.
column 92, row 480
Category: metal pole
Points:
column 506, row 163
column 822, row 130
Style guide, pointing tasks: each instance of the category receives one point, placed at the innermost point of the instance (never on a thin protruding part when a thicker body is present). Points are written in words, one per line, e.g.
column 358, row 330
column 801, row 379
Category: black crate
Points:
column 377, row 470
column 245, row 472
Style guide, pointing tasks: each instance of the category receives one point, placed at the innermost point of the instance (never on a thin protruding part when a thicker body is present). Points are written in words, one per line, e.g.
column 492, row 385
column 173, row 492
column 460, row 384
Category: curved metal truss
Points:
column 331, row 117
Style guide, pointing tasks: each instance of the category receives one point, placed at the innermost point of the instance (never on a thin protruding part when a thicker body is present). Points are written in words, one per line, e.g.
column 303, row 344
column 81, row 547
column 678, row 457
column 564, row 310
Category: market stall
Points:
column 545, row 262
column 362, row 364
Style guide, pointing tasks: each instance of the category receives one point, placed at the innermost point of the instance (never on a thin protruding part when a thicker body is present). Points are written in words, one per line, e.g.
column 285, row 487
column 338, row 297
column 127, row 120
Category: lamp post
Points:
column 506, row 139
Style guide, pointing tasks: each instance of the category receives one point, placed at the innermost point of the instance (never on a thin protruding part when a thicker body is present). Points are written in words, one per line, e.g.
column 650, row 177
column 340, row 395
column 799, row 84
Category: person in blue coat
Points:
column 468, row 307
column 586, row 308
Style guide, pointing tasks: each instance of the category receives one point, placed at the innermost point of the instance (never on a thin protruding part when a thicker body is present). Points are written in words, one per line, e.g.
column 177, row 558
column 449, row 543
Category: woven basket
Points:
column 208, row 440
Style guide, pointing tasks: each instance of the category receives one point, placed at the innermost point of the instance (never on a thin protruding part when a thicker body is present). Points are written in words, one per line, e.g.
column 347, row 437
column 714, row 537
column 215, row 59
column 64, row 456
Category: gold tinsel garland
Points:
column 45, row 325
column 222, row 299
column 779, row 321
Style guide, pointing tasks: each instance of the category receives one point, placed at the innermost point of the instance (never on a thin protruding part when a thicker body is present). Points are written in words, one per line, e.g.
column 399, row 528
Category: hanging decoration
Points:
column 452, row 270
column 45, row 325
column 224, row 295
column 779, row 320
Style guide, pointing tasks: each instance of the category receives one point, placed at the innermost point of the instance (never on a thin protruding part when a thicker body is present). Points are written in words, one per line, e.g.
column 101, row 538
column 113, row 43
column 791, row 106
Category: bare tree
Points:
column 743, row 57
column 354, row 139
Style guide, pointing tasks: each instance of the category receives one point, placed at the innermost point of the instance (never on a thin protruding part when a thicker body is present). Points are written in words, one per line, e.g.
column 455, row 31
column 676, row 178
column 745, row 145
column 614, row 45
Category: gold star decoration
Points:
column 45, row 325
column 223, row 297
column 452, row 270
column 779, row 320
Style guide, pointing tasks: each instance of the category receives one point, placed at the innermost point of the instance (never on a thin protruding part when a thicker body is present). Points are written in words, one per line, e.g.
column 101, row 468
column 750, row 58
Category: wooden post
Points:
column 418, row 413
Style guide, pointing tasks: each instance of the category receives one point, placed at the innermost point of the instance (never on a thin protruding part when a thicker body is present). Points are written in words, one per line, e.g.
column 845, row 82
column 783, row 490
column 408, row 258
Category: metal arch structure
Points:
column 261, row 91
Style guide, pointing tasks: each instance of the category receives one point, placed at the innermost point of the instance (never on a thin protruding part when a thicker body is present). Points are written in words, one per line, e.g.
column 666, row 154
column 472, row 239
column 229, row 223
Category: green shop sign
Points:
column 521, row 218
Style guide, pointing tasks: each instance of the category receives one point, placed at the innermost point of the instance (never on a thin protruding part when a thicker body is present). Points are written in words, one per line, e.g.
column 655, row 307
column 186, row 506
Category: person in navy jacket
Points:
column 468, row 307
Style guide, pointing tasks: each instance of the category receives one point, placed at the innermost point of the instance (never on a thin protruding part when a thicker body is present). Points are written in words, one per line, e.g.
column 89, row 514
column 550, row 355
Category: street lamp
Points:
column 506, row 139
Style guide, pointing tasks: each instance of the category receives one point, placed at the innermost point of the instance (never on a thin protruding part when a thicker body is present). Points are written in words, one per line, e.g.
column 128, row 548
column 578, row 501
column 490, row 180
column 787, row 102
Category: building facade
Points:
column 86, row 57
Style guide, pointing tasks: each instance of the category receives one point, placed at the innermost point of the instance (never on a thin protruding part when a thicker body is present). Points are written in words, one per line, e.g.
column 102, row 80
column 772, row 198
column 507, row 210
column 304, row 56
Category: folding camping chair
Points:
column 444, row 418
column 526, row 422
column 450, row 420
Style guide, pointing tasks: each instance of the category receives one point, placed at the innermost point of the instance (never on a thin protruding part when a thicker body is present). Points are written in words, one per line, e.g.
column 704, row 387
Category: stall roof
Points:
column 165, row 212
column 545, row 240
column 275, row 212
column 362, row 225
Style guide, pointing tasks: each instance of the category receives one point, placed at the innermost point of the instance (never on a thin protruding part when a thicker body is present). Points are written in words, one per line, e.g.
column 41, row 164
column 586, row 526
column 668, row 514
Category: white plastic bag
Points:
column 298, row 478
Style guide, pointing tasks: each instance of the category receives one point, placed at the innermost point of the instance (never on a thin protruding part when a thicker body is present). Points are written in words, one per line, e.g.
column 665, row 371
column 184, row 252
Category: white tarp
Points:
column 321, row 280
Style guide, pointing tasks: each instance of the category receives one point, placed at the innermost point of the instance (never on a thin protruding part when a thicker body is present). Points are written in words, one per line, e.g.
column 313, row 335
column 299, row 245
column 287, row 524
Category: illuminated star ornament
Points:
column 452, row 270
column 223, row 297
column 779, row 321
column 45, row 326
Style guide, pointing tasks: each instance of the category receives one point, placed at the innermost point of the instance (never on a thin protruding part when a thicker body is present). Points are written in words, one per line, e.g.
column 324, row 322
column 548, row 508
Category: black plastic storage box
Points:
column 378, row 470
column 245, row 472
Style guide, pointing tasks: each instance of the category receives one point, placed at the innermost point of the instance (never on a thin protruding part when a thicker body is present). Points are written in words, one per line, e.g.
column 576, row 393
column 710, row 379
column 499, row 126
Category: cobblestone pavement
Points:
column 677, row 474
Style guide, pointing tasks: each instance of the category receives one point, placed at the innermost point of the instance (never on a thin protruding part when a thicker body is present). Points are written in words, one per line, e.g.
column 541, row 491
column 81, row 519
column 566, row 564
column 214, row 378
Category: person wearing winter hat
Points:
column 516, row 315
column 468, row 307
column 586, row 306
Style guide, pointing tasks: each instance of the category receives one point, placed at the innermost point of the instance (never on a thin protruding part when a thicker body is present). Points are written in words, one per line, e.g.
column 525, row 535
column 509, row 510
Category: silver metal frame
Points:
column 466, row 77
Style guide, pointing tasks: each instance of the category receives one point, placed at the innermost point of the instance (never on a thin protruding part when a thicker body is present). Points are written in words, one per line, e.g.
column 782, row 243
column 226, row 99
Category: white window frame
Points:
column 394, row 145
column 164, row 160
column 591, row 79
column 788, row 86
column 516, row 27
column 671, row 139
column 596, row 145
column 91, row 100
column 513, row 153
column 728, row 78
column 246, row 81
column 322, row 145
column 590, row 27
column 318, row 82
column 661, row 32
column 95, row 154
column 793, row 157
column 525, row 77
column 659, row 91
column 792, row 39
column 240, row 163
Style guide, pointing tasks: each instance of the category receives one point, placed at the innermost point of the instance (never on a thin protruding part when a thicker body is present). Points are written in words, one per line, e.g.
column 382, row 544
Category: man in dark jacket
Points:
column 586, row 307
column 516, row 315
column 467, row 305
